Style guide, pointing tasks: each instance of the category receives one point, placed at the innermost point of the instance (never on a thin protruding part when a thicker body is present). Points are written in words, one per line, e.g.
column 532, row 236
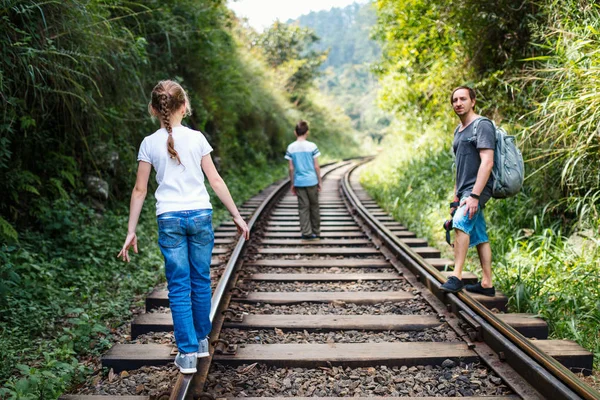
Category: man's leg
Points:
column 480, row 239
column 304, row 211
column 485, row 257
column 461, row 246
column 462, row 229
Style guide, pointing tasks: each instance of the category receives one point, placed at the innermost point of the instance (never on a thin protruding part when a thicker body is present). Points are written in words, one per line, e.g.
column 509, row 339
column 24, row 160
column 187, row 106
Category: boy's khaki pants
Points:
column 308, row 210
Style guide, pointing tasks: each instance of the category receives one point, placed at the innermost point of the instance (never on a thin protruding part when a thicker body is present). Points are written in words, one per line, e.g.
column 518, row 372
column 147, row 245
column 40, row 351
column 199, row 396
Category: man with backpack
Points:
column 474, row 145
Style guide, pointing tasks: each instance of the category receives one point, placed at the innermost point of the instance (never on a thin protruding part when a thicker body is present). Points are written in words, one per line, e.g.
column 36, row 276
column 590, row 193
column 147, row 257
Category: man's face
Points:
column 462, row 103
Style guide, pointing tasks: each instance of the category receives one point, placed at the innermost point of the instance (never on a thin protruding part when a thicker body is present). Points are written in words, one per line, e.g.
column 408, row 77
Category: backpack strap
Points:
column 476, row 124
column 453, row 167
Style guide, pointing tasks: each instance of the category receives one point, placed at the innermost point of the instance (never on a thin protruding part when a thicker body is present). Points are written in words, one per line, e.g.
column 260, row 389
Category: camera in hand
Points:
column 448, row 222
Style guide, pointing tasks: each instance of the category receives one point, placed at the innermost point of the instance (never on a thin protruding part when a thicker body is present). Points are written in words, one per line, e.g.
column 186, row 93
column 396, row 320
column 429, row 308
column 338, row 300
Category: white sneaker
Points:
column 186, row 362
column 203, row 348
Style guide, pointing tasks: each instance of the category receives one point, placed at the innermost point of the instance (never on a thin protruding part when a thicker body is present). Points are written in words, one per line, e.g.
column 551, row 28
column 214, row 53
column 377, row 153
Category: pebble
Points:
column 448, row 364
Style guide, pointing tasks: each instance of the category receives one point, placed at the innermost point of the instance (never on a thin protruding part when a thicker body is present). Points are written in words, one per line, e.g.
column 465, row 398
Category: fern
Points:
column 7, row 231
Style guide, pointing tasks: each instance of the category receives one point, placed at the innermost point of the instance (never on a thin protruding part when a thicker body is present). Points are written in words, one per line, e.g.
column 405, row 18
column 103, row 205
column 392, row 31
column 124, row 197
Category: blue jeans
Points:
column 186, row 240
column 474, row 227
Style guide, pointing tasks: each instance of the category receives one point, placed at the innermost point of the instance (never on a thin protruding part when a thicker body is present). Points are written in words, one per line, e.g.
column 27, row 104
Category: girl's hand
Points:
column 130, row 240
column 242, row 227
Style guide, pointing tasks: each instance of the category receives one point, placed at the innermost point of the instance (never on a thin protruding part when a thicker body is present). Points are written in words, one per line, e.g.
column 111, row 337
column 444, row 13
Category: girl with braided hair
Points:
column 181, row 158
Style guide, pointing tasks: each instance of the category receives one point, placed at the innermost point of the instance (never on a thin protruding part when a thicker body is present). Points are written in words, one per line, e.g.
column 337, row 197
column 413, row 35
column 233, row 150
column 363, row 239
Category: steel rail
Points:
column 546, row 374
column 185, row 381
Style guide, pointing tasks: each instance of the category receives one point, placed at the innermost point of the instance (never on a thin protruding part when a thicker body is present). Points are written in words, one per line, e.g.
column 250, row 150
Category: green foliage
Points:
column 61, row 290
column 287, row 49
column 281, row 43
column 563, row 136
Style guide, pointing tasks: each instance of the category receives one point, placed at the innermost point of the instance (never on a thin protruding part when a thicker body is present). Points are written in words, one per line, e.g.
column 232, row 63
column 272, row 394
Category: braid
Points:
column 167, row 97
column 165, row 113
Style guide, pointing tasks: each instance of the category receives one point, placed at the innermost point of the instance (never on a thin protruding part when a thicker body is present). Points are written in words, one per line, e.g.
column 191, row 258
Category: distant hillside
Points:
column 347, row 78
column 346, row 32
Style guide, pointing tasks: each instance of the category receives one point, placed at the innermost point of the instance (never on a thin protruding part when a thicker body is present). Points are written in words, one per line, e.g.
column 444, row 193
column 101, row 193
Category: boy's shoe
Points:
column 315, row 236
column 186, row 362
column 452, row 285
column 477, row 288
column 203, row 348
column 310, row 237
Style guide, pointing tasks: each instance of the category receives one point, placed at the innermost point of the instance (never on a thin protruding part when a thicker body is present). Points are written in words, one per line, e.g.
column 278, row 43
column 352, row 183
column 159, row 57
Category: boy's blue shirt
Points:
column 302, row 153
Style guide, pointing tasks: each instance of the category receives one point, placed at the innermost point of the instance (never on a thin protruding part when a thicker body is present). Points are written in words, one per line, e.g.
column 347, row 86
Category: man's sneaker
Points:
column 186, row 362
column 452, row 285
column 477, row 288
column 307, row 237
column 203, row 348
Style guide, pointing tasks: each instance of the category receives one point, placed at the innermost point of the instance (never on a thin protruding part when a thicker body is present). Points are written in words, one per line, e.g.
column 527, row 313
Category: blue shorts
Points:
column 474, row 227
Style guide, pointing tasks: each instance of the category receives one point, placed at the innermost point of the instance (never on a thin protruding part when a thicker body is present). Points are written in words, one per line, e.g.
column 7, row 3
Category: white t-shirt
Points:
column 180, row 186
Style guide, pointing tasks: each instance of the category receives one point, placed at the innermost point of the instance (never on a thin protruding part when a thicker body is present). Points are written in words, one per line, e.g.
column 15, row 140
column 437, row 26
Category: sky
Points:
column 262, row 13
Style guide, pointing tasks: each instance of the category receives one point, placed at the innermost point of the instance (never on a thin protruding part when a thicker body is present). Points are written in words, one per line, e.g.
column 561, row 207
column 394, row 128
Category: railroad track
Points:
column 357, row 313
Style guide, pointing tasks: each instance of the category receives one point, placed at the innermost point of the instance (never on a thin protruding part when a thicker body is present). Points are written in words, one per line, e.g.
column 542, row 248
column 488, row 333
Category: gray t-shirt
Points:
column 466, row 149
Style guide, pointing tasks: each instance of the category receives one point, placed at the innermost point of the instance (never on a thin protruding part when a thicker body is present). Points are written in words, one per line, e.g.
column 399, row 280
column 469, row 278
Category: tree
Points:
column 287, row 49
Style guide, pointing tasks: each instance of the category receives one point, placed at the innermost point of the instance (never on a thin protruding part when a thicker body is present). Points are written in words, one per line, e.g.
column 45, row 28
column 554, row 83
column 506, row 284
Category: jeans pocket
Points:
column 203, row 233
column 170, row 233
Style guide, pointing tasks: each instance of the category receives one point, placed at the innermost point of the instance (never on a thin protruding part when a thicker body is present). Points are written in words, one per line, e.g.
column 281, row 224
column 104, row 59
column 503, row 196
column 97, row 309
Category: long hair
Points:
column 168, row 97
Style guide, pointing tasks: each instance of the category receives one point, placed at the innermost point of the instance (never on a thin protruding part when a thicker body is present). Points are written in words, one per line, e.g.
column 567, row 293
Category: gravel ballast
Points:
column 353, row 286
column 410, row 307
column 278, row 336
column 450, row 380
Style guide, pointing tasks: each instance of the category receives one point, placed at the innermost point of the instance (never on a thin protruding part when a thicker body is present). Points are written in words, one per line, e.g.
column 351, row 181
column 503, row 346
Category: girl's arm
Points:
column 220, row 188
column 135, row 208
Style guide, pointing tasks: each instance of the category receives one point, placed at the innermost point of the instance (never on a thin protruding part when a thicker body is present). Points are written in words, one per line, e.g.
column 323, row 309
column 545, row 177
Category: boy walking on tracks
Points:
column 474, row 145
column 305, row 177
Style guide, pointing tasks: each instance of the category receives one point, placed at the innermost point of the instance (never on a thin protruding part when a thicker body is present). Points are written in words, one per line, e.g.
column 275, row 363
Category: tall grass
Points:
column 563, row 137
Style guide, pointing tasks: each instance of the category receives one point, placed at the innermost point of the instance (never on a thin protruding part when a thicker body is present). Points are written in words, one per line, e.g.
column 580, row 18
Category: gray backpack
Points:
column 509, row 169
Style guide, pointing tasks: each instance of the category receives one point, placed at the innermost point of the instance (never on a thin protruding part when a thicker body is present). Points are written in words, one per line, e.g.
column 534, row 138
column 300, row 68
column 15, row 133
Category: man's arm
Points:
column 291, row 168
column 483, row 174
